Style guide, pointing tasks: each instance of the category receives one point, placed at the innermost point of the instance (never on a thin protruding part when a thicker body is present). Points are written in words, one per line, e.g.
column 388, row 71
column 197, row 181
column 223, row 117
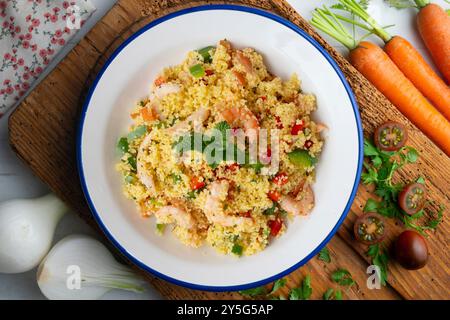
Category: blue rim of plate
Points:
column 283, row 22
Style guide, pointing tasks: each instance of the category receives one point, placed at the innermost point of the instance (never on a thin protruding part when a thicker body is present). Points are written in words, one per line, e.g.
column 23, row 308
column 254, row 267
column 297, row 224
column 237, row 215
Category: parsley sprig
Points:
column 324, row 255
column 380, row 170
column 379, row 258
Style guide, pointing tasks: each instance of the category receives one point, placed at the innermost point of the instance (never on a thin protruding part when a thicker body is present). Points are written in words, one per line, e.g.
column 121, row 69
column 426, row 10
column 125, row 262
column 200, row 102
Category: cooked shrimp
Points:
column 164, row 89
column 145, row 177
column 175, row 214
column 240, row 118
column 244, row 61
column 296, row 206
column 214, row 206
column 195, row 121
column 320, row 127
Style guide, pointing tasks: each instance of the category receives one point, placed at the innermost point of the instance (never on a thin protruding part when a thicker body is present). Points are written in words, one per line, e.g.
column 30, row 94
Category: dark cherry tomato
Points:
column 411, row 250
column 196, row 184
column 390, row 136
column 297, row 127
column 275, row 226
column 308, row 144
column 274, row 195
column 369, row 228
column 280, row 179
column 412, row 198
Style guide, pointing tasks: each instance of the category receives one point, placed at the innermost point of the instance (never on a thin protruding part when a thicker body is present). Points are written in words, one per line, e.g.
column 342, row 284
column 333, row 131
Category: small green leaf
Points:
column 369, row 149
column 122, row 145
column 271, row 210
column 420, row 180
column 342, row 277
column 254, row 292
column 412, row 155
column 160, row 227
column 206, row 53
column 324, row 255
column 328, row 294
column 132, row 162
column 237, row 249
column 280, row 283
column 303, row 292
column 371, row 206
column 338, row 295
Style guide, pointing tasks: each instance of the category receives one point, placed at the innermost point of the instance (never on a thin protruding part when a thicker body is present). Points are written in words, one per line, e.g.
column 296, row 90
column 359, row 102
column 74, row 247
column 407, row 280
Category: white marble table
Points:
column 17, row 181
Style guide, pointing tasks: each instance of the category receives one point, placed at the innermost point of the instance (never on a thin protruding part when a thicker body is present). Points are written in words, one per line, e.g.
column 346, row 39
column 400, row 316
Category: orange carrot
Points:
column 406, row 57
column 434, row 27
column 379, row 69
column 148, row 114
column 416, row 69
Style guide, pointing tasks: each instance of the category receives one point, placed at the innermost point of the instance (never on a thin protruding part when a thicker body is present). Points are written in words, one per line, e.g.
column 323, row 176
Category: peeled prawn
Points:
column 214, row 206
column 302, row 206
column 145, row 177
column 174, row 214
column 240, row 118
column 195, row 120
column 165, row 89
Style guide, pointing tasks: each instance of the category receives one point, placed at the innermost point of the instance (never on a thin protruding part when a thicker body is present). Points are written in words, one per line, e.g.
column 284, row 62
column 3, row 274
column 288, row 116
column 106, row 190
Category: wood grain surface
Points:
column 43, row 128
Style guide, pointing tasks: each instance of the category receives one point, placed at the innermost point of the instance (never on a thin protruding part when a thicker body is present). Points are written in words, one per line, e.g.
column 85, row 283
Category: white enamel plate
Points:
column 126, row 78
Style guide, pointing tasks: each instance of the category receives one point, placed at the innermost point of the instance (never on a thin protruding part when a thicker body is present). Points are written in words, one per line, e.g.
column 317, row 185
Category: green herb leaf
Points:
column 303, row 292
column 420, row 180
column 254, row 292
column 205, row 53
column 370, row 149
column 280, row 283
column 338, row 295
column 324, row 255
column 175, row 178
column 342, row 277
column 328, row 294
column 122, row 145
column 132, row 162
column 380, row 259
column 371, row 206
column 160, row 227
column 237, row 249
column 271, row 210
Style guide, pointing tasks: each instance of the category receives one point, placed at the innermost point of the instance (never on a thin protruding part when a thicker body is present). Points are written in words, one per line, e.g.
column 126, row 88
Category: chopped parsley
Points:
column 331, row 294
column 324, row 255
column 237, row 249
column 303, row 292
column 380, row 258
column 342, row 277
column 280, row 283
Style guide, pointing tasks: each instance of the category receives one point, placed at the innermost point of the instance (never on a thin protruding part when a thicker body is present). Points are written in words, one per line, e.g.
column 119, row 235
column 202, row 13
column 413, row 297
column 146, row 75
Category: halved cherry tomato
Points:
column 308, row 144
column 280, row 179
column 274, row 195
column 390, row 136
column 412, row 198
column 369, row 228
column 209, row 72
column 196, row 184
column 275, row 226
column 297, row 127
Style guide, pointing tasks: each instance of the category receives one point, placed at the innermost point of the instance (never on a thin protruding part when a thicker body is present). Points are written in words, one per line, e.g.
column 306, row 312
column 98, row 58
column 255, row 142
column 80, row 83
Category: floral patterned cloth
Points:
column 31, row 33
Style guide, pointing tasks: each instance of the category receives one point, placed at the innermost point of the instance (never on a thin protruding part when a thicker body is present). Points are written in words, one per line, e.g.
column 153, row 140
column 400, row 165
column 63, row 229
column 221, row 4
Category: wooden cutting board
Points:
column 43, row 127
